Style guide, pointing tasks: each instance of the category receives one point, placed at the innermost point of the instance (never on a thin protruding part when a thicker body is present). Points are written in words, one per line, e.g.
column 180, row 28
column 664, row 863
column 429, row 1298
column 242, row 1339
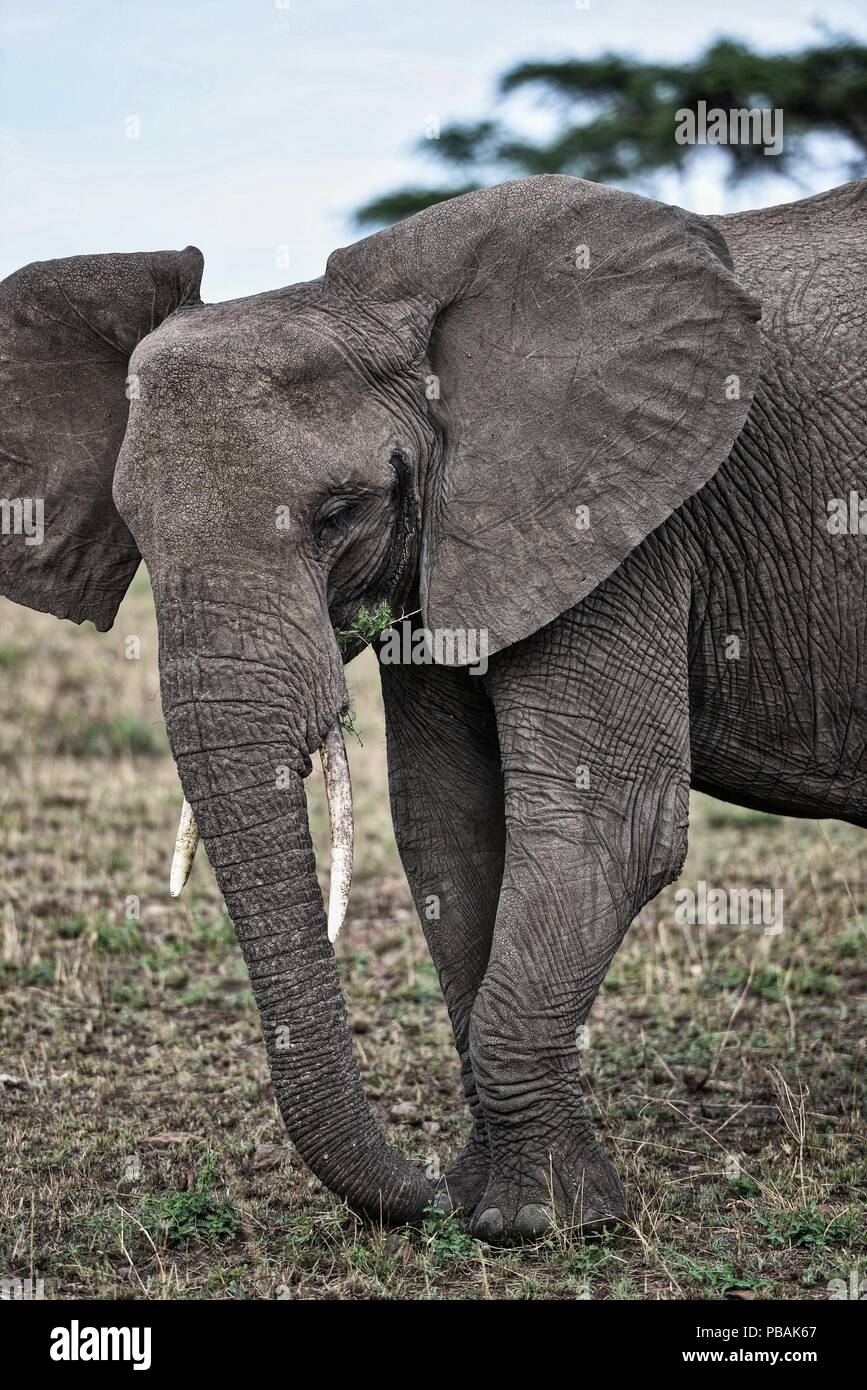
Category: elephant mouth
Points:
column 338, row 792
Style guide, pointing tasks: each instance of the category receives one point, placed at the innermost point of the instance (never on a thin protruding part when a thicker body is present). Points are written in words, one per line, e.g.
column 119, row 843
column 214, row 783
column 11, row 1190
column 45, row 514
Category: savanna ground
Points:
column 143, row 1152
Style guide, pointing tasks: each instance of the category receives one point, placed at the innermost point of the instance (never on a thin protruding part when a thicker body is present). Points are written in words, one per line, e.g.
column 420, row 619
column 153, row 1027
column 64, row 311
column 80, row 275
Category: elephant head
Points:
column 480, row 411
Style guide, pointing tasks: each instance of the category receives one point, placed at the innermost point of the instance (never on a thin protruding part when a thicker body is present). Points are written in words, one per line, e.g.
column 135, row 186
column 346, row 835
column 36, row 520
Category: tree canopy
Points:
column 616, row 118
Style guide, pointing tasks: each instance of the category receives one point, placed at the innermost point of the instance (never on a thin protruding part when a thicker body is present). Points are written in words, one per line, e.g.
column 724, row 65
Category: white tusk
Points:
column 338, row 789
column 185, row 850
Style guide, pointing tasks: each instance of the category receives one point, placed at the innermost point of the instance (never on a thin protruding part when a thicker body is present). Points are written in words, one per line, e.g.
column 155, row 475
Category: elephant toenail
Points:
column 533, row 1221
column 490, row 1225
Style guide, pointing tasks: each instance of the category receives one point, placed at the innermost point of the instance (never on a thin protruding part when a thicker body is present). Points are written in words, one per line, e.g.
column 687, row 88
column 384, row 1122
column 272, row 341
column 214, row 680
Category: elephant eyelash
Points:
column 334, row 517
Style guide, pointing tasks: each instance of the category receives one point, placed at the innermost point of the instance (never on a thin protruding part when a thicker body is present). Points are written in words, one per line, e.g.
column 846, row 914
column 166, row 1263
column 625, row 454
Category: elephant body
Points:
column 639, row 687
column 785, row 727
column 426, row 424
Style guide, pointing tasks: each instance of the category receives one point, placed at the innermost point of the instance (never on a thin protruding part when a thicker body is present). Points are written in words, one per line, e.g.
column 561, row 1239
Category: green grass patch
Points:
column 113, row 736
column 720, row 815
column 809, row 1227
column 117, row 938
column 720, row 1277
column 11, row 655
column 70, row 928
column 200, row 1215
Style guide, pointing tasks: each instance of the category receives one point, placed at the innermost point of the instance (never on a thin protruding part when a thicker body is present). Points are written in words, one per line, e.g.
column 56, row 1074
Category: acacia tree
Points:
column 617, row 118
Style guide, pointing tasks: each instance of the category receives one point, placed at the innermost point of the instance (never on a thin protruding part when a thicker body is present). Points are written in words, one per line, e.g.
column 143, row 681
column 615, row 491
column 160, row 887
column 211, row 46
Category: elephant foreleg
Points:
column 594, row 731
column 447, row 805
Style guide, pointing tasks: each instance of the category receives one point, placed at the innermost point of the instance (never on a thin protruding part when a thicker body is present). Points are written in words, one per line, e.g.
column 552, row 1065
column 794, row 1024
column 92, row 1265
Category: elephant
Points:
column 612, row 446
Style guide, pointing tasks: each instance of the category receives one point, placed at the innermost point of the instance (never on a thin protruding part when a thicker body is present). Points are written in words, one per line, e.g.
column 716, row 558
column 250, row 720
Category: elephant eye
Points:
column 333, row 519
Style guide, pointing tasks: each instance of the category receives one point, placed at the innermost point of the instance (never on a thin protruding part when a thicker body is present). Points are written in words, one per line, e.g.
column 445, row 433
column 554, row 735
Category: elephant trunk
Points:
column 240, row 729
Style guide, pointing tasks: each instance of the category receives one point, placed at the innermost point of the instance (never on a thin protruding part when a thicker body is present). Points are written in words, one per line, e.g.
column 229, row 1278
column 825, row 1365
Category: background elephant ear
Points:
column 67, row 331
column 595, row 359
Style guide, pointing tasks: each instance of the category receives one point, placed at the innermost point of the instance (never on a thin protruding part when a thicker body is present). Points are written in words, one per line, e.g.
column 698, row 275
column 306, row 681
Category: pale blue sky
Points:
column 263, row 125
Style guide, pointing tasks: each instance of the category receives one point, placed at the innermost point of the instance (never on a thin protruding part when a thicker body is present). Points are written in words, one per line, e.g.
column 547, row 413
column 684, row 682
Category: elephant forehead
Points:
column 259, row 454
column 257, row 377
column 248, row 350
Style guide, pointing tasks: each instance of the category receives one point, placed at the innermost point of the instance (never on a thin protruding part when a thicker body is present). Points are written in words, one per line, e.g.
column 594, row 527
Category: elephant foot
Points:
column 464, row 1182
column 569, row 1196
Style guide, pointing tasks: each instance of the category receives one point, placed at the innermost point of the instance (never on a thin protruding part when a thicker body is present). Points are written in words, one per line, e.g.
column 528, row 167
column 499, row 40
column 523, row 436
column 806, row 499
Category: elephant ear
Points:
column 595, row 359
column 67, row 331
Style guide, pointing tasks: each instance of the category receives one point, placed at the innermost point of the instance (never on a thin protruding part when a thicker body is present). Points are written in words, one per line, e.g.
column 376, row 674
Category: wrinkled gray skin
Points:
column 431, row 413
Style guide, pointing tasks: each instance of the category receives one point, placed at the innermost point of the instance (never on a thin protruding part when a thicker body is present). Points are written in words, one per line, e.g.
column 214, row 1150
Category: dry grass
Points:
column 143, row 1152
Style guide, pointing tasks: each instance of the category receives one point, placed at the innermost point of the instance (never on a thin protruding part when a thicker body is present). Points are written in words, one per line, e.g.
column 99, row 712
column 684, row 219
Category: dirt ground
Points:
column 143, row 1152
